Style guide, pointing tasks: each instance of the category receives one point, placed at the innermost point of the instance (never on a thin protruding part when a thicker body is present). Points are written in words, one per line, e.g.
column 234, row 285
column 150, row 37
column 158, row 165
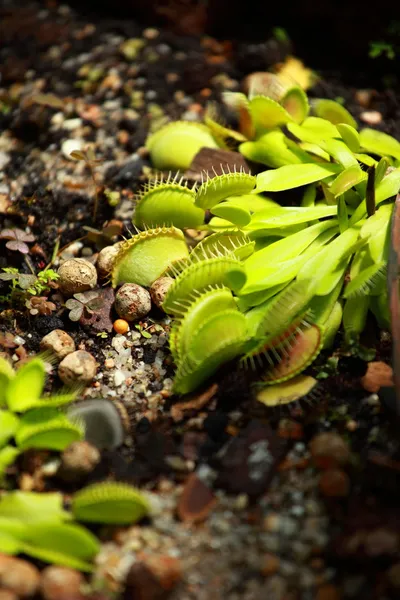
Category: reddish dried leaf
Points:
column 196, row 500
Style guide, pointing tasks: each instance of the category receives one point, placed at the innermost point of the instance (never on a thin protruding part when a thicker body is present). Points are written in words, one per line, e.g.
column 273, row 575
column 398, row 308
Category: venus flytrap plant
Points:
column 282, row 268
column 27, row 418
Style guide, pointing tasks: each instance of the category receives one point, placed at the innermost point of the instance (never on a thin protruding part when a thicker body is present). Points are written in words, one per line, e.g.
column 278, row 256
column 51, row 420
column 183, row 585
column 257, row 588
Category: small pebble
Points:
column 61, row 583
column 166, row 569
column 18, row 576
column 77, row 368
column 328, row 450
column 269, row 564
column 58, row 342
column 78, row 460
column 121, row 326
column 132, row 302
column 77, row 275
column 328, row 592
column 372, row 117
column 334, row 483
column 363, row 97
column 71, row 146
column 159, row 290
column 378, row 375
column 7, row 595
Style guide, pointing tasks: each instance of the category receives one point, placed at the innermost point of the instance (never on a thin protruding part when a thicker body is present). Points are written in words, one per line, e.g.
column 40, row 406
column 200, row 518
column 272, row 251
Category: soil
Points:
column 263, row 527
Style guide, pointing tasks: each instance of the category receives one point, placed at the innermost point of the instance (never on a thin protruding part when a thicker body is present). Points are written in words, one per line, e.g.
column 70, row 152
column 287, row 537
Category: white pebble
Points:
column 71, row 146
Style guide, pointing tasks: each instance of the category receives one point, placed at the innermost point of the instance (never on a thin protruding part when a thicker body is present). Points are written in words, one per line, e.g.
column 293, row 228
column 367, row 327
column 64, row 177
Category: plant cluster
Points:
column 29, row 290
column 29, row 420
column 271, row 284
column 37, row 524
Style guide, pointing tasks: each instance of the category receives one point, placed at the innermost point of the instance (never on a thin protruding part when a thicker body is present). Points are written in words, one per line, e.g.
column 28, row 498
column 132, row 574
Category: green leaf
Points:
column 341, row 153
column 309, row 196
column 9, row 544
column 26, row 387
column 267, row 114
column 290, row 215
column 64, row 544
column 295, row 102
column 355, row 316
column 350, row 136
column 347, row 179
column 388, row 187
column 233, row 213
column 253, row 202
column 47, row 428
column 8, row 454
column 380, row 170
column 379, row 143
column 33, row 507
column 271, row 150
column 6, row 374
column 343, row 216
column 8, row 426
column 110, row 503
column 293, row 176
column 333, row 111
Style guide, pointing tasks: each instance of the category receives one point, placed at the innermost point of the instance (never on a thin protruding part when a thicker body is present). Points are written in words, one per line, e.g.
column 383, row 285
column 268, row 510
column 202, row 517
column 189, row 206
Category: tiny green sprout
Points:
column 174, row 146
column 102, row 334
column 143, row 331
column 280, row 34
column 377, row 49
column 113, row 197
column 111, row 503
column 90, row 160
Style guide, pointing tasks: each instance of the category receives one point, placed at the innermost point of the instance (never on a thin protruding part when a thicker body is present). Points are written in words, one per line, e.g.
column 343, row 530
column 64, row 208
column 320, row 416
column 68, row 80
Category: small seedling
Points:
column 90, row 160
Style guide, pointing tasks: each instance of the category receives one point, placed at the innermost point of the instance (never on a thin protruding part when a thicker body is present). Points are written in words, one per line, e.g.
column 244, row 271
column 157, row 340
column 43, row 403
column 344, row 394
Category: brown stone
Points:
column 378, row 375
column 269, row 564
column 334, row 483
column 61, row 583
column 328, row 592
column 18, row 576
column 166, row 569
column 329, row 450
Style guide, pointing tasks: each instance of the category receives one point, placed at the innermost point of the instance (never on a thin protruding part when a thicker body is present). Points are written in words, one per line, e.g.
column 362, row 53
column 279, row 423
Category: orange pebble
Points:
column 121, row 326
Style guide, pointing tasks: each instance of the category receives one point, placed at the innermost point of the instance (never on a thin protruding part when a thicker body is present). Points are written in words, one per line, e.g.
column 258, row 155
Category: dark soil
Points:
column 50, row 49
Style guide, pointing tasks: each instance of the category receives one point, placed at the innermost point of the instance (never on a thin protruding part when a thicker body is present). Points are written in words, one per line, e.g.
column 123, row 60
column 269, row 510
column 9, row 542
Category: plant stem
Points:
column 370, row 197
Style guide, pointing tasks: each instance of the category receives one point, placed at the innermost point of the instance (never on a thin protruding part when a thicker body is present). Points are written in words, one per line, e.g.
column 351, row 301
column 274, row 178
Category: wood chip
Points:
column 196, row 501
column 215, row 162
column 196, row 403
